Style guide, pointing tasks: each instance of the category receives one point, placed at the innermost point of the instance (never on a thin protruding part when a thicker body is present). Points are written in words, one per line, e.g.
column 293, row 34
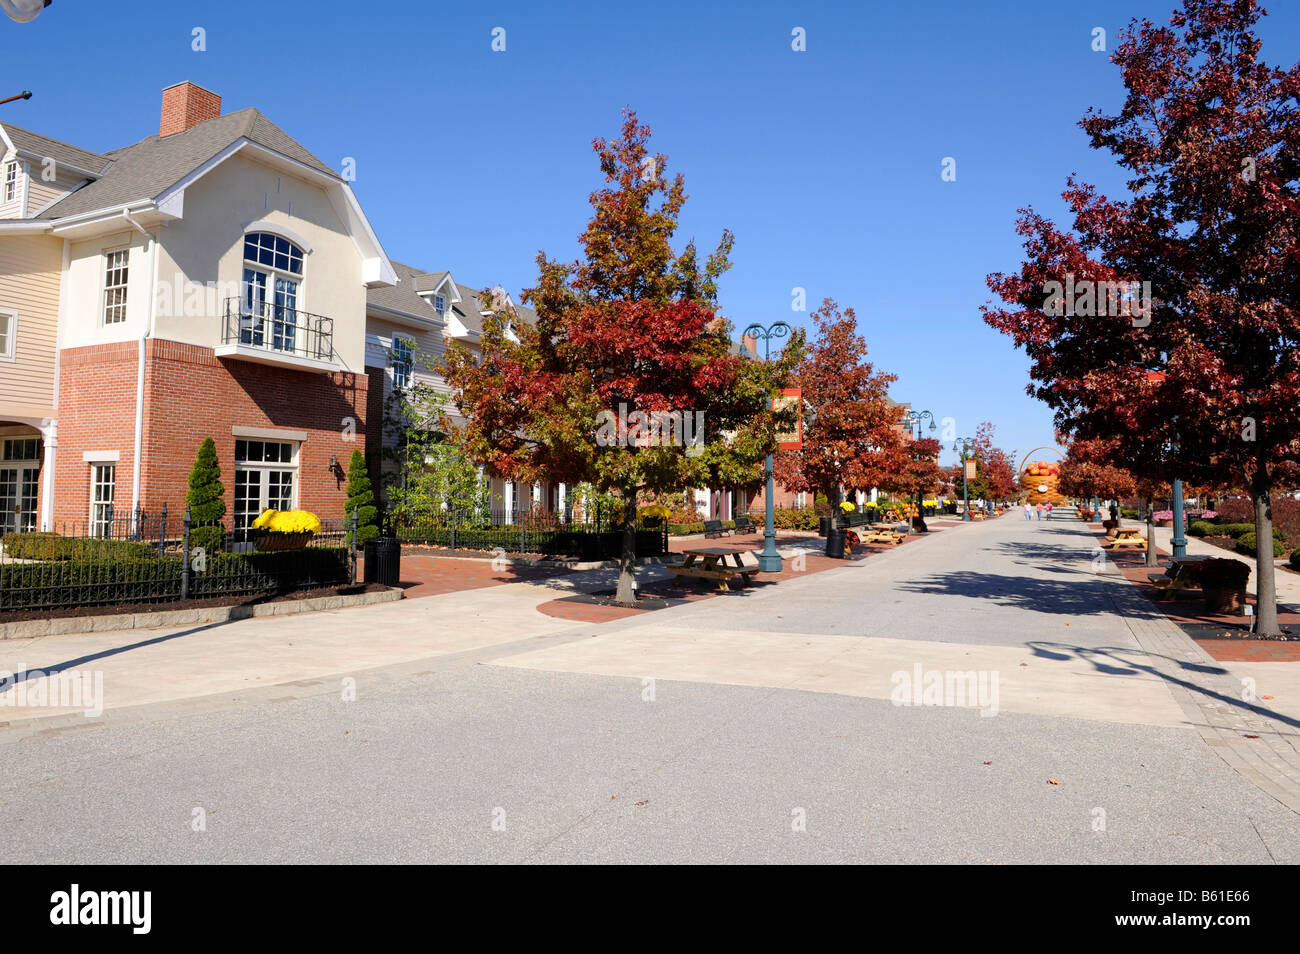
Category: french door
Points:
column 19, row 492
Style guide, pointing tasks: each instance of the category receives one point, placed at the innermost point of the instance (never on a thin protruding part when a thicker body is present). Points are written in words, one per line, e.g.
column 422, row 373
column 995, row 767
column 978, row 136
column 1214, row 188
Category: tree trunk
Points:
column 1265, row 584
column 626, row 594
column 1152, row 559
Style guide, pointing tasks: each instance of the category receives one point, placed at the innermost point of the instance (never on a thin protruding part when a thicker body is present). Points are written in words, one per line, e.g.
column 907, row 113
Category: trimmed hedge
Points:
column 1202, row 528
column 574, row 543
column 1294, row 559
column 26, row 586
column 1248, row 543
column 51, row 546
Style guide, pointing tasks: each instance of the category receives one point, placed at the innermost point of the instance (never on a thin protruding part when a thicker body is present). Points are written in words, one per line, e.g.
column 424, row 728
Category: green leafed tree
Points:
column 361, row 499
column 206, row 499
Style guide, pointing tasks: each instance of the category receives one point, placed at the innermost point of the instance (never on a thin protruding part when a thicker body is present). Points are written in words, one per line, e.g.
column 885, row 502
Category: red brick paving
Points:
column 424, row 575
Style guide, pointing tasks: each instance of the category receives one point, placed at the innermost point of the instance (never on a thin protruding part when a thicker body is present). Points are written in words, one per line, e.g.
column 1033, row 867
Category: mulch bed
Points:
column 118, row 609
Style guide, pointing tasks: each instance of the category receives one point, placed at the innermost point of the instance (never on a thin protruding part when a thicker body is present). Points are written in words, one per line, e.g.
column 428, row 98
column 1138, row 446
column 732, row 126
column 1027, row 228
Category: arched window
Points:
column 272, row 275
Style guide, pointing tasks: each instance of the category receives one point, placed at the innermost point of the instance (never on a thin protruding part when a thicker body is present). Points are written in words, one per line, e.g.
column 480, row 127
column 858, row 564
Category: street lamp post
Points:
column 769, row 561
column 23, row 11
column 965, row 491
column 914, row 422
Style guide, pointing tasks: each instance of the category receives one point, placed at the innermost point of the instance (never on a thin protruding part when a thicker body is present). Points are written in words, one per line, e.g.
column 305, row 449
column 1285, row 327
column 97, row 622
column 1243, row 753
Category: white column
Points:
column 50, row 435
column 509, row 501
column 563, row 496
column 874, row 493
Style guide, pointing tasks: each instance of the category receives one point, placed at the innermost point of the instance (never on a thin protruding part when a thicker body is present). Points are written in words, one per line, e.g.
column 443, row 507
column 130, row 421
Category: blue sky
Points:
column 825, row 163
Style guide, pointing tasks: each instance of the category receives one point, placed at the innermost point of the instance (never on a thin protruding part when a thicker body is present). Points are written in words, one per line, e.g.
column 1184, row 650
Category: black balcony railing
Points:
column 278, row 329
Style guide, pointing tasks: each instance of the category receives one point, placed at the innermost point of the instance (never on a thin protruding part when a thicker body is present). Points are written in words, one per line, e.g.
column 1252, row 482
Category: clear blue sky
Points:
column 825, row 163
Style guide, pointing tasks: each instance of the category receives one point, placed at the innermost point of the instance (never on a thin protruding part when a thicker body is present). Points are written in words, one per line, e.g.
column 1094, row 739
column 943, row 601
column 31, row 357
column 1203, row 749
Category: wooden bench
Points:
column 1177, row 578
column 714, row 528
column 722, row 564
column 744, row 524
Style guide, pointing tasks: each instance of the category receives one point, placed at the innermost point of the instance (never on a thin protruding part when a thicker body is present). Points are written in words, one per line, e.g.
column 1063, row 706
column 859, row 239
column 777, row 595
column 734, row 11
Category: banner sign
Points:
column 970, row 470
column 793, row 439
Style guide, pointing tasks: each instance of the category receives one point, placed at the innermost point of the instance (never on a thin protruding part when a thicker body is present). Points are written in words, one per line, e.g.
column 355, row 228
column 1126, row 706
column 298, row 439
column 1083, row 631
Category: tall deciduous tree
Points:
column 630, row 329
column 912, row 471
column 851, row 432
column 1210, row 136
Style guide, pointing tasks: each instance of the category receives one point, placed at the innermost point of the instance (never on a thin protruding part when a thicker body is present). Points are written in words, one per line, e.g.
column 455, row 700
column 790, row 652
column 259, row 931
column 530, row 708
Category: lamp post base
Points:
column 770, row 562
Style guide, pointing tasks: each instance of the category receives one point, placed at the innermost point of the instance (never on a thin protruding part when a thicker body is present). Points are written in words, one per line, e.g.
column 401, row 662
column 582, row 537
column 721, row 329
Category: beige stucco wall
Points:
column 207, row 246
column 29, row 284
column 83, row 310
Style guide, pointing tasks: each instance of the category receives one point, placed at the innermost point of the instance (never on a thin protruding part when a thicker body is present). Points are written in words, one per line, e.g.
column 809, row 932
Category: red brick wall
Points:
column 96, row 413
column 191, row 394
column 375, row 433
column 185, row 105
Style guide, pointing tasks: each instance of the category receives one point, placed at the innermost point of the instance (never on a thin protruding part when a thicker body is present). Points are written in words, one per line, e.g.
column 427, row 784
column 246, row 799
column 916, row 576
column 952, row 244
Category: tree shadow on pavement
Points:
column 1083, row 596
column 55, row 668
column 1128, row 661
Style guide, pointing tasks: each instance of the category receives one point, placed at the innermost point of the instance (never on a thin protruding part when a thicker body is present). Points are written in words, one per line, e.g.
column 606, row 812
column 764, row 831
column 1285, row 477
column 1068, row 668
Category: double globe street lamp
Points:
column 914, row 419
column 960, row 447
column 769, row 561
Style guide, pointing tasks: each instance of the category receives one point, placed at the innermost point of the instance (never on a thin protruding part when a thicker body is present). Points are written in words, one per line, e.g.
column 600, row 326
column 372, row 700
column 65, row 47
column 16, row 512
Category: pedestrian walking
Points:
column 1049, row 510
column 1029, row 510
column 1039, row 508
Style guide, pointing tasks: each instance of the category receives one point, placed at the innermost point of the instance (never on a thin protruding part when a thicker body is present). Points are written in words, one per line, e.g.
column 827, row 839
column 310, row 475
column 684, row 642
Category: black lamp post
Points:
column 914, row 420
column 960, row 446
column 769, row 561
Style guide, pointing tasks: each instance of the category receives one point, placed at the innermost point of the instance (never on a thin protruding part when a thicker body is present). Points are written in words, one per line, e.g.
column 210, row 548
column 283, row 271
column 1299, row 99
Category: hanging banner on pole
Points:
column 970, row 470
column 791, row 439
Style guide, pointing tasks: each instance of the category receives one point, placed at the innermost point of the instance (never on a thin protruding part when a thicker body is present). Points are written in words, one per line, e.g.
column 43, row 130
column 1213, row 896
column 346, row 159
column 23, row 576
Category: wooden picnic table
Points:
column 1127, row 537
column 723, row 564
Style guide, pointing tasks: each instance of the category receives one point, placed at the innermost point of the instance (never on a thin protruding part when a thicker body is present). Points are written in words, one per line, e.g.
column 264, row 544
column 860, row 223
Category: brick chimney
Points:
column 185, row 105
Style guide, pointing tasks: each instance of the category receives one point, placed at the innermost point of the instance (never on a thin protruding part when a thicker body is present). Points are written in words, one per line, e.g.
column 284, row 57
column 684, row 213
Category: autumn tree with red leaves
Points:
column 1210, row 137
column 912, row 470
column 629, row 330
column 851, row 430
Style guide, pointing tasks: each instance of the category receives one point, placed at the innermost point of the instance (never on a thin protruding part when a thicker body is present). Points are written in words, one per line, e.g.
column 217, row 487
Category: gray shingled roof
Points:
column 403, row 296
column 149, row 167
column 62, row 153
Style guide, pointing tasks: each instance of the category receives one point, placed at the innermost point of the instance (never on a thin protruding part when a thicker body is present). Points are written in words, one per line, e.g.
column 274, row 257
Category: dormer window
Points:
column 11, row 181
column 440, row 305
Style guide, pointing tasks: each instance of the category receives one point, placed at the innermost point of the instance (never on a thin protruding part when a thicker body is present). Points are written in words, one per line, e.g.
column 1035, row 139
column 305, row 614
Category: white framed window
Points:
column 403, row 362
column 115, row 277
column 8, row 334
column 272, row 280
column 103, row 477
column 11, row 181
column 440, row 305
column 266, row 477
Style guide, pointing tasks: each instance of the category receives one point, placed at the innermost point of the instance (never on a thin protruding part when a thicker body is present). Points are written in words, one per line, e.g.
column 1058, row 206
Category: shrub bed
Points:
column 51, row 546
column 27, row 586
column 1248, row 543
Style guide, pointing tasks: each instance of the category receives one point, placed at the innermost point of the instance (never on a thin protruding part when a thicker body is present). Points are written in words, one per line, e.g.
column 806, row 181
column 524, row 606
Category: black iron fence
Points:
column 267, row 326
column 543, row 532
column 139, row 557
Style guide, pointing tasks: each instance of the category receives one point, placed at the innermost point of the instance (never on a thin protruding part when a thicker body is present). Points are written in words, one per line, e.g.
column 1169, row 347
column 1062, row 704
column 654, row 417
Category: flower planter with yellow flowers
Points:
column 285, row 529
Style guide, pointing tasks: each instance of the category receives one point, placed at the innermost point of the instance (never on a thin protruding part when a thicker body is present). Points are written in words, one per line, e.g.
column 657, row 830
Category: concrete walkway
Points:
column 1090, row 730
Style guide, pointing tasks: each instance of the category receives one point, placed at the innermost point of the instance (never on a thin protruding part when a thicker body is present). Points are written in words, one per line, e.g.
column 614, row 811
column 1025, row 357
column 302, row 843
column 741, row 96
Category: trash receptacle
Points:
column 383, row 556
column 823, row 525
column 835, row 541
